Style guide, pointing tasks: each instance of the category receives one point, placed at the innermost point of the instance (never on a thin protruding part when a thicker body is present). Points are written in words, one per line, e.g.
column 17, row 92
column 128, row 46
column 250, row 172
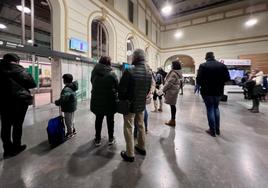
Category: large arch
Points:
column 98, row 15
column 58, row 25
column 188, row 63
column 134, row 40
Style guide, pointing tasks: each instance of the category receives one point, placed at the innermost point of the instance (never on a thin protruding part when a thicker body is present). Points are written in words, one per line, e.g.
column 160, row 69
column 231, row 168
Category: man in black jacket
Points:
column 212, row 76
column 14, row 101
column 134, row 86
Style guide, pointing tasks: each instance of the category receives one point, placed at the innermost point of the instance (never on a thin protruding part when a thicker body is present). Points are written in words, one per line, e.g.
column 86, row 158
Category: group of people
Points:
column 255, row 87
column 135, row 89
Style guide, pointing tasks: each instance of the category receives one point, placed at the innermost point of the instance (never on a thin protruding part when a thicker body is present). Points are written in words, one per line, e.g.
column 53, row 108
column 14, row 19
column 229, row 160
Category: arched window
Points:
column 99, row 46
column 130, row 49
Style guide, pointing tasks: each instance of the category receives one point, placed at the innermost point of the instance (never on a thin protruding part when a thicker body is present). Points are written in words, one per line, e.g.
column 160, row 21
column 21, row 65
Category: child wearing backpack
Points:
column 68, row 103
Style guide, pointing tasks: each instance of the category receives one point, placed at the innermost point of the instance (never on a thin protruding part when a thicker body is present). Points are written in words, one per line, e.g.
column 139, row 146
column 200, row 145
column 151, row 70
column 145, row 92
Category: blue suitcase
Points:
column 56, row 131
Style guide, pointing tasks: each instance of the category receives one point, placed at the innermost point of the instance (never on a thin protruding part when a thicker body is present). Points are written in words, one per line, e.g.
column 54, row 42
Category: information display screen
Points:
column 236, row 74
column 78, row 45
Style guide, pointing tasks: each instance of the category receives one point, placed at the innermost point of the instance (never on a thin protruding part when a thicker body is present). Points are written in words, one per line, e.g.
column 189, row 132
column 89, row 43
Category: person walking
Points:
column 171, row 89
column 104, row 98
column 211, row 77
column 257, row 79
column 68, row 103
column 15, row 98
column 134, row 86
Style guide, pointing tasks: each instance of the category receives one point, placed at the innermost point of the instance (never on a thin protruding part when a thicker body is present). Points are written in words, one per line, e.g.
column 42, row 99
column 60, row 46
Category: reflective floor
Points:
column 182, row 157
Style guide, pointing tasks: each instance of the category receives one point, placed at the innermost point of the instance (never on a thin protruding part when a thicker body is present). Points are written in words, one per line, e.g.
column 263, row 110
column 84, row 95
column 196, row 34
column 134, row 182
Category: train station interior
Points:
column 56, row 37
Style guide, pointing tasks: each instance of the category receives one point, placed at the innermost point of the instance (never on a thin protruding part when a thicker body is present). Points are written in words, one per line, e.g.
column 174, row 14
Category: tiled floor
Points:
column 182, row 157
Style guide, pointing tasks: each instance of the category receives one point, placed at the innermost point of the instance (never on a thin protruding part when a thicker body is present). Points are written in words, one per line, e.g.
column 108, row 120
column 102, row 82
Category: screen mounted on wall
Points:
column 78, row 45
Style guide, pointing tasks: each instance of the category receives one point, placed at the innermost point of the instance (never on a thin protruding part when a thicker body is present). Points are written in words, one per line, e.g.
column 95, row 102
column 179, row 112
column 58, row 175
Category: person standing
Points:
column 68, row 103
column 134, row 86
column 104, row 98
column 148, row 101
column 159, row 81
column 257, row 78
column 14, row 101
column 171, row 89
column 211, row 77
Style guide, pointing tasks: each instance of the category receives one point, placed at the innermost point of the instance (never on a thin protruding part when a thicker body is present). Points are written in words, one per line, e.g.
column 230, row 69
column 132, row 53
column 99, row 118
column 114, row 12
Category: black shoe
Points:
column 8, row 155
column 140, row 151
column 111, row 141
column 211, row 133
column 19, row 149
column 97, row 142
column 127, row 158
column 255, row 111
column 218, row 132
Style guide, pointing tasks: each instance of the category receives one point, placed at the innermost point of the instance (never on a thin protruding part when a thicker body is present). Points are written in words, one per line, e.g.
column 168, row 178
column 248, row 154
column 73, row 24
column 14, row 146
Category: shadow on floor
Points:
column 168, row 146
column 41, row 149
column 127, row 175
column 17, row 180
column 88, row 159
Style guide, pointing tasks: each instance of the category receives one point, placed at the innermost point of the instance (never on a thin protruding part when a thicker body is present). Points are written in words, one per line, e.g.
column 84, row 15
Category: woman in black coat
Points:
column 104, row 97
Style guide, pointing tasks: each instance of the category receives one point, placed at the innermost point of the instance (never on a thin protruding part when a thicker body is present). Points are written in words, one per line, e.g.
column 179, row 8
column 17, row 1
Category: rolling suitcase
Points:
column 56, row 131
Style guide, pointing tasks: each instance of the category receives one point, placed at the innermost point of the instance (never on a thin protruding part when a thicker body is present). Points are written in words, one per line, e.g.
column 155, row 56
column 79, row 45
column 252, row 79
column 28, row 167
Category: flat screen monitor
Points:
column 236, row 74
column 78, row 45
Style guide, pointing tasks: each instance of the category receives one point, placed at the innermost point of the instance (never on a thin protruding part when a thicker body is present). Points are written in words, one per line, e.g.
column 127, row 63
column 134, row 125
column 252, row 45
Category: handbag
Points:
column 123, row 107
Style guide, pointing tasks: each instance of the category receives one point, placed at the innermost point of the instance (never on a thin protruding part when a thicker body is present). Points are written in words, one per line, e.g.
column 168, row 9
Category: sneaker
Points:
column 97, row 142
column 140, row 151
column 218, row 132
column 74, row 132
column 69, row 135
column 111, row 141
column 127, row 158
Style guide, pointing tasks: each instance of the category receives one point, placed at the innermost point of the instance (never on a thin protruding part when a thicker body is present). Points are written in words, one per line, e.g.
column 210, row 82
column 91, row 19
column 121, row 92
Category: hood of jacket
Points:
column 73, row 86
column 102, row 70
column 10, row 68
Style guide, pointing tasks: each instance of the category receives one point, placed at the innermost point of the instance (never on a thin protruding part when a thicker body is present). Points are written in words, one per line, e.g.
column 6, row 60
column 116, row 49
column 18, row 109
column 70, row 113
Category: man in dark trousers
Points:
column 212, row 76
column 15, row 98
column 134, row 86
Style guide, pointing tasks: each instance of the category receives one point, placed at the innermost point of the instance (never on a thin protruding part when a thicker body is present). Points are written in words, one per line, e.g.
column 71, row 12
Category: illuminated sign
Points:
column 243, row 62
column 78, row 45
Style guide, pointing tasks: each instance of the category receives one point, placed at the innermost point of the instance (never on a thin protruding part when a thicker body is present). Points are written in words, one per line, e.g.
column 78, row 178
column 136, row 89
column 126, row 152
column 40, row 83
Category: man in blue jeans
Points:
column 211, row 77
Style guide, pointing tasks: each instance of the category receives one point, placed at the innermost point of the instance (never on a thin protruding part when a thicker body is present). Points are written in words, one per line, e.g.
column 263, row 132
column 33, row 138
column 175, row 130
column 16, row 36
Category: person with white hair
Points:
column 134, row 86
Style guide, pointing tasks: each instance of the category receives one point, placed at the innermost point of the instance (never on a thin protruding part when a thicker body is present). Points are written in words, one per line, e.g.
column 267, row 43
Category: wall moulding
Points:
column 217, row 43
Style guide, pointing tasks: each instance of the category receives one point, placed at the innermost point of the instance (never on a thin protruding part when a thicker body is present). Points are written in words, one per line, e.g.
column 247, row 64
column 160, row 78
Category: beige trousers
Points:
column 128, row 132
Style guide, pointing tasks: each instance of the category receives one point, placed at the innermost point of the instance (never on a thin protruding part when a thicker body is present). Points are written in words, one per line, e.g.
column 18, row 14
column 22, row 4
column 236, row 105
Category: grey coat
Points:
column 172, row 86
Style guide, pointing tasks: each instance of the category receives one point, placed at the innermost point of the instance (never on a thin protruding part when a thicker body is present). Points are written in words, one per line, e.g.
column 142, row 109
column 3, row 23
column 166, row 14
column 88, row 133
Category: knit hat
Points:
column 11, row 57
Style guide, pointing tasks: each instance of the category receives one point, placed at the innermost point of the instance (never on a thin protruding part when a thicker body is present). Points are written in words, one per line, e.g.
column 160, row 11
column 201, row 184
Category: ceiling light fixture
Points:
column 251, row 22
column 2, row 26
column 166, row 10
column 26, row 9
column 178, row 34
column 30, row 41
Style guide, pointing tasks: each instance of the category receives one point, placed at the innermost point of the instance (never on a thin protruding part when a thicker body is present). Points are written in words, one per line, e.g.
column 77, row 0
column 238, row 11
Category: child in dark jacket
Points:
column 68, row 103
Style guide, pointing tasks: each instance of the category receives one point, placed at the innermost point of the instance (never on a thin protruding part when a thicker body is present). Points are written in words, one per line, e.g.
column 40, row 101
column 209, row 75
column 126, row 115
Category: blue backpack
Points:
column 56, row 131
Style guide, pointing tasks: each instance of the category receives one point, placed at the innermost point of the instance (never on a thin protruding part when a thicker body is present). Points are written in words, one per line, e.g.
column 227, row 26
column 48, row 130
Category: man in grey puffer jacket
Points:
column 134, row 86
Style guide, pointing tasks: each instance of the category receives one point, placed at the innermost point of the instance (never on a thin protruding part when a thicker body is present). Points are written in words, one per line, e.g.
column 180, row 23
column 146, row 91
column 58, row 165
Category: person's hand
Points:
column 57, row 102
